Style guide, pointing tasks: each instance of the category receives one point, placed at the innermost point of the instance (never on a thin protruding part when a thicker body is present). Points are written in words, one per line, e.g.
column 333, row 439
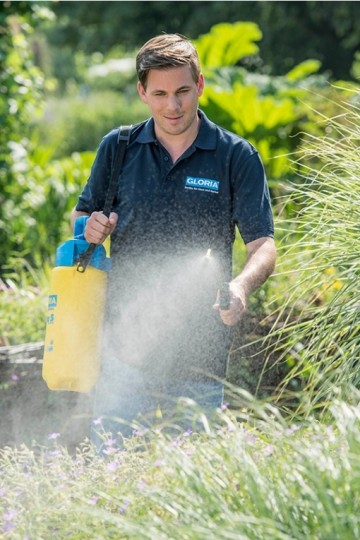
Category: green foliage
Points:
column 78, row 123
column 40, row 203
column 21, row 85
column 259, row 479
column 266, row 110
column 319, row 267
column 227, row 43
column 355, row 68
column 23, row 303
column 292, row 31
column 302, row 70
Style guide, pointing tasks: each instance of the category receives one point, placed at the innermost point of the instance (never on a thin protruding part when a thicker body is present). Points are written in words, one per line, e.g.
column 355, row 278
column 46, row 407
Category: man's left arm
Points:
column 259, row 265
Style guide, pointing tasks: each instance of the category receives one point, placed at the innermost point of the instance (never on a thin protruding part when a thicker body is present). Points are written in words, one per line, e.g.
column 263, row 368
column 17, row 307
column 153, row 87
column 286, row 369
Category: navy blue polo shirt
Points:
column 193, row 204
column 162, row 287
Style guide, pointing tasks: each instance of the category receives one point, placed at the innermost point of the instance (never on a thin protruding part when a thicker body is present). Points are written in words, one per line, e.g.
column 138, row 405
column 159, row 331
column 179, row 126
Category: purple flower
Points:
column 10, row 514
column 8, row 526
column 175, row 442
column 268, row 450
column 98, row 421
column 142, row 484
column 8, row 518
column 140, row 432
column 250, row 438
column 291, row 429
column 15, row 377
column 53, row 436
column 113, row 466
column 109, row 451
column 55, row 453
column 110, row 442
column 124, row 507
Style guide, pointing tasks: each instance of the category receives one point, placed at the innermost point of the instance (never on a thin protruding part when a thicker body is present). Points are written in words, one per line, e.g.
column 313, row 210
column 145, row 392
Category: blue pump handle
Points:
column 79, row 227
column 68, row 253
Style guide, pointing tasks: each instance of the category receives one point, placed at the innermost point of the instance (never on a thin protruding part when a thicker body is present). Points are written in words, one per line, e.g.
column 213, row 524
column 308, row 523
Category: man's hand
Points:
column 259, row 265
column 98, row 227
column 237, row 306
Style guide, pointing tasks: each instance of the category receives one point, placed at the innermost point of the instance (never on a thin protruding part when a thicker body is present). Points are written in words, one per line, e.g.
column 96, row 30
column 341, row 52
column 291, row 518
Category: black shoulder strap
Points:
column 122, row 142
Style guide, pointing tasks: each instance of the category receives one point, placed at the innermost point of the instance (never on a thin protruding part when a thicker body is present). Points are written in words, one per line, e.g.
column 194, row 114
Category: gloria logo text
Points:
column 203, row 184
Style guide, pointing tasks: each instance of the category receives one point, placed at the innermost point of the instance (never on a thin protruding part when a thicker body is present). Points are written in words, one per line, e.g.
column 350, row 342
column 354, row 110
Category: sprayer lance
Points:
column 224, row 301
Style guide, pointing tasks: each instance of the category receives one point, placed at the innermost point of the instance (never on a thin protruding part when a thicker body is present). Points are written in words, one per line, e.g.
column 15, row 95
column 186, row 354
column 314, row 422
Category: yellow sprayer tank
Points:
column 75, row 314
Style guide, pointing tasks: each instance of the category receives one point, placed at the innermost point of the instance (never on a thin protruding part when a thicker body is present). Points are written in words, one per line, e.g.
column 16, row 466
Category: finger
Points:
column 113, row 218
column 229, row 318
column 100, row 223
column 94, row 237
column 100, row 217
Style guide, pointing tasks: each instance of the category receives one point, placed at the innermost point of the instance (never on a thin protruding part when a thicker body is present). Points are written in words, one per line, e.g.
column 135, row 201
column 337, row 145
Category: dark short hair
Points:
column 166, row 51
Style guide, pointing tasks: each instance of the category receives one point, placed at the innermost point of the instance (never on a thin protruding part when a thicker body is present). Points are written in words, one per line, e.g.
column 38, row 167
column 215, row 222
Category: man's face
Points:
column 172, row 97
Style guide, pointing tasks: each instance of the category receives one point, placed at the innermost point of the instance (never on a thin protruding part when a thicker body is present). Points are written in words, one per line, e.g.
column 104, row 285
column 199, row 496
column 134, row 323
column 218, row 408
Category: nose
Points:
column 173, row 102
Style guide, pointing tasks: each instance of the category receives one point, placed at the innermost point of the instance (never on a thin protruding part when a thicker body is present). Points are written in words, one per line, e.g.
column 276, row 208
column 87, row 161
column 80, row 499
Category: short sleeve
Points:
column 252, row 210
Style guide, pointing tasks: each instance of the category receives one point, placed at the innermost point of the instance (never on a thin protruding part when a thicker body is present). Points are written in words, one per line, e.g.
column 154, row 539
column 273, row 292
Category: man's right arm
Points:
column 98, row 227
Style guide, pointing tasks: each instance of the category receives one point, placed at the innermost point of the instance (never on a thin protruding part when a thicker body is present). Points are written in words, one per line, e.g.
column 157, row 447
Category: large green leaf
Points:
column 303, row 70
column 227, row 43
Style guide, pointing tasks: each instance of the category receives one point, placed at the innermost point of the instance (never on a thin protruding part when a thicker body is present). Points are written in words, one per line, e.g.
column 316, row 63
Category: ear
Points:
column 200, row 85
column 142, row 92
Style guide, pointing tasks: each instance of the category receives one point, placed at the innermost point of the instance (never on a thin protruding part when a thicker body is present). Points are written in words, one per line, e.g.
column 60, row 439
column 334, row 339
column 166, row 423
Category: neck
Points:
column 177, row 144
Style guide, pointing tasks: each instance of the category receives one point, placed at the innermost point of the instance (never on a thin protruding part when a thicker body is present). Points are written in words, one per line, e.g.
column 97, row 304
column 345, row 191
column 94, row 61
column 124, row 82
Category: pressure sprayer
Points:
column 76, row 302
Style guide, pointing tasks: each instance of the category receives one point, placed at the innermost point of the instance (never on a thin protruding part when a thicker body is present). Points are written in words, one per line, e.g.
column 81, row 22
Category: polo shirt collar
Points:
column 206, row 138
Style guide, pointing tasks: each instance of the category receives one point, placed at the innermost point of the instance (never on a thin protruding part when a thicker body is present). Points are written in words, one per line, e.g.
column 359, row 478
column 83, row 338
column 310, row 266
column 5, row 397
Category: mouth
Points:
column 173, row 118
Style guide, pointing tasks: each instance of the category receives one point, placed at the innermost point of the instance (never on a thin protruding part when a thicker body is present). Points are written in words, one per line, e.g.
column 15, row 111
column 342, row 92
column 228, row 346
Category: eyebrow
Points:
column 184, row 87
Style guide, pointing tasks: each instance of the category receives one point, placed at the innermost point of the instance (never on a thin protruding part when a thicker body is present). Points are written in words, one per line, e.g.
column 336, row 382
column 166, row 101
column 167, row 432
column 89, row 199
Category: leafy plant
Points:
column 22, row 85
column 228, row 43
column 43, row 197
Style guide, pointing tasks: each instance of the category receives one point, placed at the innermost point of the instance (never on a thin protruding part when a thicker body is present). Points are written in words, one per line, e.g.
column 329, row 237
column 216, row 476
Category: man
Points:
column 185, row 184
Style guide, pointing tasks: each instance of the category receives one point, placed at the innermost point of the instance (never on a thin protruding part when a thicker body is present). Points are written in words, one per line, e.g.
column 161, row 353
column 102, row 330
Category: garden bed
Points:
column 32, row 412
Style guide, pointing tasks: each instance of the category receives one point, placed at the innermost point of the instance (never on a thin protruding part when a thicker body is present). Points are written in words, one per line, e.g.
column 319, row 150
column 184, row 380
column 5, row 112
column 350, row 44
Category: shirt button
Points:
column 166, row 158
